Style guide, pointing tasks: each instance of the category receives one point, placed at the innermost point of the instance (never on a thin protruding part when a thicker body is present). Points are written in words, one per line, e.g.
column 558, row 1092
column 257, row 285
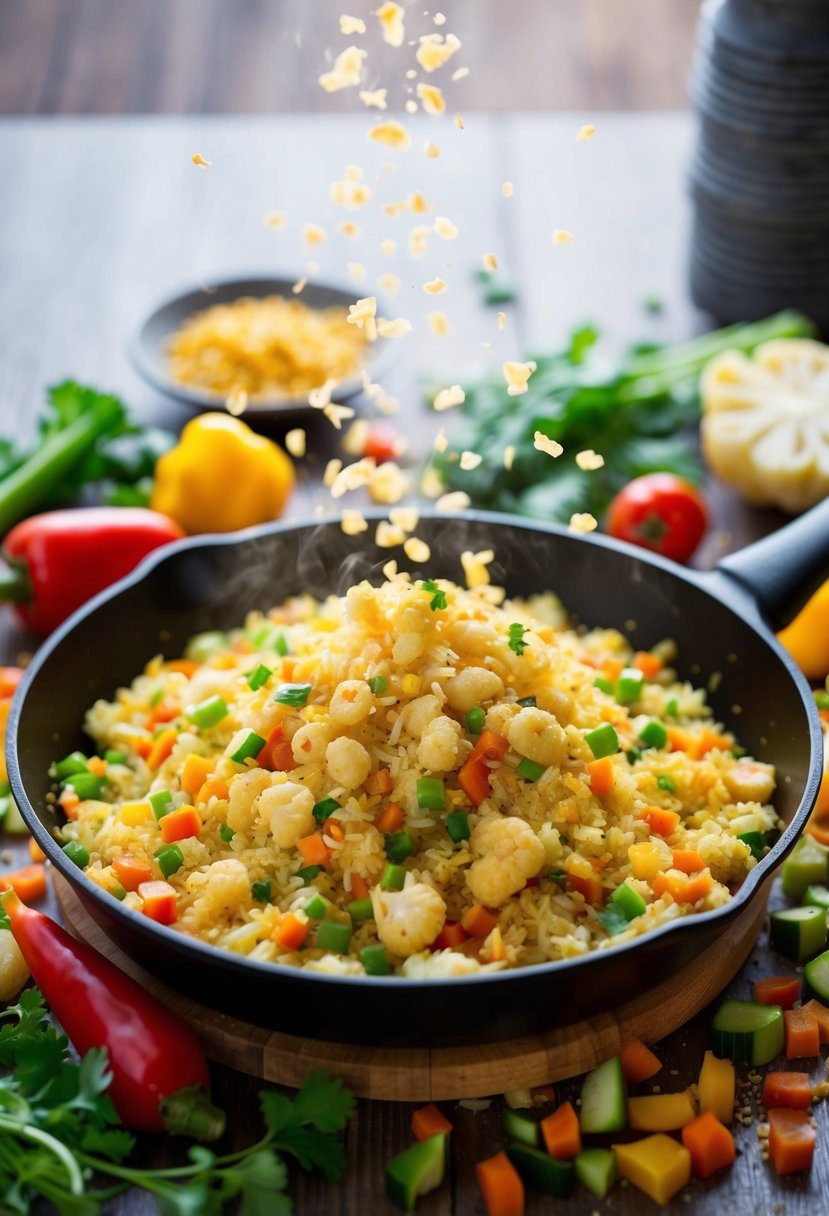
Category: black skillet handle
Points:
column 782, row 570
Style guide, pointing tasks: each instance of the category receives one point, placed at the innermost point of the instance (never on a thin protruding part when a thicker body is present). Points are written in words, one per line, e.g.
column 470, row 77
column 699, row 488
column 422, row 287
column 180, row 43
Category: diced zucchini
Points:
column 807, row 863
column 816, row 978
column 817, row 896
column 596, row 1169
column 540, row 1170
column 798, row 932
column 416, row 1171
column 13, row 822
column 748, row 1033
column 520, row 1127
column 604, row 1098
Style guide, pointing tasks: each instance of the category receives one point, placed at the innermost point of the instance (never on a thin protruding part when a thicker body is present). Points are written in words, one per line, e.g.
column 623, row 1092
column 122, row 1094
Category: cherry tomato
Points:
column 662, row 512
column 383, row 442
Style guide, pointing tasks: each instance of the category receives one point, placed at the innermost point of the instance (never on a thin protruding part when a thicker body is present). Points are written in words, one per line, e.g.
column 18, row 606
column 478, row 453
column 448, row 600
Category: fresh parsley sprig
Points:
column 516, row 638
column 438, row 600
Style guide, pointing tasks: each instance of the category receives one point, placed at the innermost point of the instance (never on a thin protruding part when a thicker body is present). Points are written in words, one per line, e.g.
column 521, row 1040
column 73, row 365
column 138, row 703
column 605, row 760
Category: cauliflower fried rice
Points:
column 415, row 779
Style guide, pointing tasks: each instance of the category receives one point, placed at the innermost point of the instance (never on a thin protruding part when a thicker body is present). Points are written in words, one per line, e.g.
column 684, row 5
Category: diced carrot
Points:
column 451, row 935
column 802, row 1034
column 35, row 851
column 165, row 711
column 180, row 824
column 601, row 775
column 706, row 741
column 69, row 802
column 478, row 921
column 583, row 878
column 687, row 860
column 500, row 1186
column 682, row 890
column 29, row 882
column 821, row 1015
column 359, row 887
column 288, row 666
column 473, row 778
column 161, row 748
column 791, row 1140
column 679, row 740
column 390, row 819
column 639, row 1063
column 710, row 1144
column 291, row 931
column 187, row 667
column 818, row 831
column 142, row 747
column 494, row 946
column 159, row 901
column 277, row 754
column 779, row 990
column 561, row 1132
column 660, row 821
column 648, row 663
column 429, row 1121
column 380, row 782
column 490, row 746
column 214, row 787
column 10, row 677
column 97, row 766
column 612, row 668
column 132, row 872
column 194, row 773
column 542, row 1094
column 791, row 1089
column 314, row 850
column 332, row 828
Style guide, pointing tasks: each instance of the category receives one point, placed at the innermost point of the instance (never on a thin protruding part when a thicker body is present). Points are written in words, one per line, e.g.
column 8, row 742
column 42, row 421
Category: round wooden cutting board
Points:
column 441, row 1073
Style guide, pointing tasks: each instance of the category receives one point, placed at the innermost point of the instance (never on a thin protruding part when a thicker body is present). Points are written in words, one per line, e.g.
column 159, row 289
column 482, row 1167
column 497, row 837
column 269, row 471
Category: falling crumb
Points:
column 394, row 329
column 509, row 455
column 337, row 414
column 459, row 123
column 508, row 189
column 470, row 461
column 419, row 240
column 502, row 320
column 441, row 442
column 439, row 324
column 312, row 267
column 435, row 286
column 353, row 523
column 299, row 285
column 388, row 484
column 432, row 99
column 332, row 471
column 353, row 477
column 352, row 25
column 589, row 460
column 490, row 261
column 543, row 443
column 562, row 237
column 439, row 19
column 391, row 134
column 431, row 150
column 456, row 500
column 349, row 228
column 353, row 173
column 319, row 397
column 386, row 404
column 362, row 312
column 354, row 440
column 374, row 98
column 406, row 518
column 431, row 485
column 445, row 228
column 411, row 106
column 416, row 549
column 583, row 522
column 475, row 567
column 199, row 160
column 587, row 131
column 390, row 283
column 313, row 234
column 295, row 442
column 517, row 376
column 356, row 270
column 350, row 193
column 275, row 220
column 435, row 50
column 447, row 397
column 346, row 72
column 390, row 16
column 416, row 203
column 388, row 248
column 237, row 402
column 460, row 74
column 387, row 536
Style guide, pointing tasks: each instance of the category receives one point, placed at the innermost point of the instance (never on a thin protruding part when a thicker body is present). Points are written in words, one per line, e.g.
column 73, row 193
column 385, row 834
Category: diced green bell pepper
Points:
column 75, row 762
column 603, row 741
column 75, row 851
column 629, row 686
column 596, row 1169
column 375, row 960
column 654, row 734
column 335, row 936
column 392, row 878
column 399, row 846
column 416, row 1171
column 457, row 825
column 521, row 1127
column 170, row 859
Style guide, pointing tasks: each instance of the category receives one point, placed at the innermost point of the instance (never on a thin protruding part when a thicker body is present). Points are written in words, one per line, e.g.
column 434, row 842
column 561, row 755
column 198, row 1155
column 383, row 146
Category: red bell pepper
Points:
column 59, row 560
column 159, row 1073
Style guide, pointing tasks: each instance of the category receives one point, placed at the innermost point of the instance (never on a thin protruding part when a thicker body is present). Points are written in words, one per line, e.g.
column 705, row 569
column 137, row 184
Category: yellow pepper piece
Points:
column 658, row 1165
column 221, row 477
column 807, row 637
column 647, row 860
column 660, row 1112
column 134, row 813
column 716, row 1087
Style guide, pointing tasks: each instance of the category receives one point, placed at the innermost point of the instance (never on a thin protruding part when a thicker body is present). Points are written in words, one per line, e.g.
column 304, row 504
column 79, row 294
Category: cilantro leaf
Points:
column 324, row 1102
column 313, row 1150
column 192, row 1198
column 116, row 1143
column 438, row 599
column 516, row 638
column 261, row 1180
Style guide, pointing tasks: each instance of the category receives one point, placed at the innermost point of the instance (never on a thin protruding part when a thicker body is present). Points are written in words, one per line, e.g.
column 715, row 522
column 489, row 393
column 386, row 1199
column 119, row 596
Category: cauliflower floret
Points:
column 408, row 920
column 289, row 809
column 419, row 713
column 473, row 637
column 244, row 790
column 509, row 852
column 309, row 742
column 348, row 762
column 408, row 647
column 472, row 687
column 426, row 966
column 438, row 748
column 750, row 781
column 351, row 702
column 333, row 964
column 223, row 886
column 536, row 734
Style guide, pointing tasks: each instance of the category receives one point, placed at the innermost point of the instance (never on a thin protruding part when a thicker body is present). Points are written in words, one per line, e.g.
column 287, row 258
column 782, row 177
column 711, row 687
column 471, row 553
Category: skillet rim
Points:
column 716, row 584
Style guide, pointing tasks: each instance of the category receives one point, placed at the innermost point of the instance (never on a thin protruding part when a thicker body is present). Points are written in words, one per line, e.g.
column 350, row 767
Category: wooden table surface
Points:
column 101, row 218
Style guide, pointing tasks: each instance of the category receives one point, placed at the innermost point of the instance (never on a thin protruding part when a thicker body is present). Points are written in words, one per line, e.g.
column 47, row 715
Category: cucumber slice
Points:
column 520, row 1127
column 798, row 932
column 816, row 977
column 596, row 1169
column 807, row 863
column 549, row 1175
column 13, row 821
column 416, row 1171
column 748, row 1033
column 817, row 896
column 604, row 1098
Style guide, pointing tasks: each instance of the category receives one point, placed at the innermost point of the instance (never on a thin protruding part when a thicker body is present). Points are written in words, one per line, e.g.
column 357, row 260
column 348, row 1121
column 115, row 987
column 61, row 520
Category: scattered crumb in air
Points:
column 517, row 376
column 432, row 99
column 275, row 220
column 435, row 50
column 237, row 402
column 337, row 414
column 508, row 189
column 349, row 228
column 391, row 134
column 509, row 455
column 354, row 440
column 374, row 98
column 388, row 536
column 589, row 460
column 457, row 500
column 406, row 518
column 346, row 72
column 416, row 549
column 445, row 228
column 460, row 74
column 543, row 443
column 441, row 442
column 352, row 25
column 448, row 397
column 353, row 523
column 319, row 397
column 470, row 460
column 435, row 286
column 502, row 320
column 475, row 567
column 394, row 329
column 356, row 270
column 562, row 237
column 199, row 160
column 583, row 521
column 459, row 123
column 431, row 150
column 300, row 285
column 313, row 234
column 390, row 284
column 587, row 131
column 392, row 26
column 439, row 324
column 295, row 442
column 490, row 261
column 388, row 248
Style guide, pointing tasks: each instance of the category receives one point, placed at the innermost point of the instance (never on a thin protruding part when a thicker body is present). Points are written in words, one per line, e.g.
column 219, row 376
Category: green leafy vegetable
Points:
column 438, row 599
column 516, row 638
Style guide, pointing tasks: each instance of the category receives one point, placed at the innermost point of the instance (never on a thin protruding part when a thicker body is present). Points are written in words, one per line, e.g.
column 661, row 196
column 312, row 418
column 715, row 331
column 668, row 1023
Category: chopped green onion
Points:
column 654, row 734
column 516, row 638
column 375, row 960
column 292, row 694
column 204, row 645
column 155, row 699
column 672, row 708
column 75, row 762
column 334, row 936
column 633, row 754
column 250, row 747
column 527, row 701
column 476, row 720
column 318, row 907
column 438, row 599
column 261, row 891
column 629, row 685
column 398, row 846
column 430, row 794
column 666, row 783
column 392, row 878
column 378, row 685
column 208, row 712
column 281, row 645
column 822, row 699
column 603, row 741
column 361, row 909
column 603, row 685
column 112, row 757
column 630, row 901
column 170, row 858
column 308, row 873
column 118, row 891
column 559, row 877
column 226, row 832
column 613, row 919
column 85, row 785
column 325, row 809
column 457, row 825
column 259, row 676
column 161, row 802
column 75, row 851
column 529, row 769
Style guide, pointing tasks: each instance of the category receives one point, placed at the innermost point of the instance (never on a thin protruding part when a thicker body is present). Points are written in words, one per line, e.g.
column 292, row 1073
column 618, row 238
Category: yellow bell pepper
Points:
column 807, row 637
column 660, row 1112
column 716, row 1087
column 657, row 1165
column 221, row 476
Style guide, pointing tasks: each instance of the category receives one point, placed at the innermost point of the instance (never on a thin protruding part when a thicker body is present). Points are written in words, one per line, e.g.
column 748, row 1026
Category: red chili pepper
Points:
column 57, row 561
column 159, row 1073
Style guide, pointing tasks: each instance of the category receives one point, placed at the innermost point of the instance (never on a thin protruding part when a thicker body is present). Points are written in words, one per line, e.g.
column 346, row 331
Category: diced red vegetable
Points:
column 791, row 1140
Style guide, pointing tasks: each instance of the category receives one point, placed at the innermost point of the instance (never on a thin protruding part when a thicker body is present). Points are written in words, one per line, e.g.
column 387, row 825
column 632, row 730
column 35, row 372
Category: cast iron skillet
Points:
column 211, row 582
